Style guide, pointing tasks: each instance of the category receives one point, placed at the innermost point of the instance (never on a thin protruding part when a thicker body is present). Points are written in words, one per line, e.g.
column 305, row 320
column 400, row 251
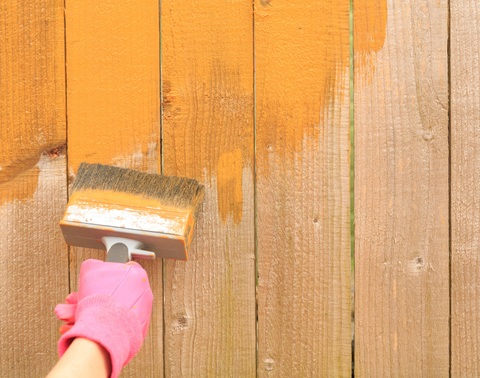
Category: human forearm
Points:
column 84, row 358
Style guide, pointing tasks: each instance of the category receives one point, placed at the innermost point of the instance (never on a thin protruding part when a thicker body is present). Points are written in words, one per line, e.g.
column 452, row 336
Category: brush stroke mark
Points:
column 20, row 188
column 19, row 181
column 302, row 72
column 214, row 123
column 370, row 24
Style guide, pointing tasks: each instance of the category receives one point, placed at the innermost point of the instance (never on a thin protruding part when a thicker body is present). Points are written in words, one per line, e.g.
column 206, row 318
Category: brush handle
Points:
column 123, row 250
column 142, row 254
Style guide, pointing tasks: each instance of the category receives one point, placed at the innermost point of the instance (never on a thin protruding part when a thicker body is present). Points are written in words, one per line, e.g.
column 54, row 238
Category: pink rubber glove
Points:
column 112, row 308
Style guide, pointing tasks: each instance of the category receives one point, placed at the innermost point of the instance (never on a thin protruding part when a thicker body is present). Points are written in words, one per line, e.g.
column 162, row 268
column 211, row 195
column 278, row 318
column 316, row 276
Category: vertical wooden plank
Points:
column 303, row 191
column 401, row 188
column 33, row 256
column 207, row 65
column 113, row 107
column 465, row 195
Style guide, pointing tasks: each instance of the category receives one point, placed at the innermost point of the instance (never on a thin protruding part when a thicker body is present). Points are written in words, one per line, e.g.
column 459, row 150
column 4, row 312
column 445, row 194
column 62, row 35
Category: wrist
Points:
column 111, row 324
column 84, row 358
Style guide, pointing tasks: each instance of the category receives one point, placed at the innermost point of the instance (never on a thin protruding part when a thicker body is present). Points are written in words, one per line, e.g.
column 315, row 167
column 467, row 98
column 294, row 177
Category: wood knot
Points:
column 419, row 262
column 56, row 151
column 416, row 265
column 182, row 321
column 427, row 136
column 269, row 364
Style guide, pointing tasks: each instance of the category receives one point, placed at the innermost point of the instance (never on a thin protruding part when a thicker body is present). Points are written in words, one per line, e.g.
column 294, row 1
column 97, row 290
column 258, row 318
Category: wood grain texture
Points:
column 113, row 108
column 401, row 190
column 207, row 65
column 32, row 87
column 465, row 195
column 303, row 191
column 33, row 256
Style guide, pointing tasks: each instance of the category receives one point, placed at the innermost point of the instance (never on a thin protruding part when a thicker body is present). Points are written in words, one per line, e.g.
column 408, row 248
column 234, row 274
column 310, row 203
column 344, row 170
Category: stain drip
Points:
column 229, row 180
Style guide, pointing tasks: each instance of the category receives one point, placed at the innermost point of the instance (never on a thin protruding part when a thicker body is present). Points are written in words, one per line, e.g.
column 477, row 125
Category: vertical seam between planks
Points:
column 352, row 184
column 160, row 161
column 161, row 84
column 449, row 190
column 69, row 250
column 255, row 214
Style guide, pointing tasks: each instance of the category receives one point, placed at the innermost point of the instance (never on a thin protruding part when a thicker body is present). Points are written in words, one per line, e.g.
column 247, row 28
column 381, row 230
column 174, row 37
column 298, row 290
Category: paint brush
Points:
column 132, row 214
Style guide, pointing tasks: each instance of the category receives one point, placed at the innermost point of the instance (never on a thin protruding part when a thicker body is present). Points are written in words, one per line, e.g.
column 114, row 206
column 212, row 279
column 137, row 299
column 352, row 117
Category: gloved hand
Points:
column 112, row 307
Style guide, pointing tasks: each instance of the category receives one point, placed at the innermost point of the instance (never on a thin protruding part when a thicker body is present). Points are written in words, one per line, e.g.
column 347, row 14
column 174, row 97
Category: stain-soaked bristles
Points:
column 173, row 192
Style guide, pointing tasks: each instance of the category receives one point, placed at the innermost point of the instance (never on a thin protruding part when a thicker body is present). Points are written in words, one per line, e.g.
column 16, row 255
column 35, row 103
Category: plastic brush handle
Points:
column 142, row 254
column 123, row 250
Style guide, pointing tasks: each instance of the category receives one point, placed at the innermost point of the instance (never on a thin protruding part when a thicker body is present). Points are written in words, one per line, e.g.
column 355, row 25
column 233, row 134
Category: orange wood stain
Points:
column 115, row 209
column 32, row 93
column 113, row 83
column 21, row 187
column 207, row 67
column 370, row 24
column 119, row 198
column 229, row 185
column 208, row 97
column 303, row 52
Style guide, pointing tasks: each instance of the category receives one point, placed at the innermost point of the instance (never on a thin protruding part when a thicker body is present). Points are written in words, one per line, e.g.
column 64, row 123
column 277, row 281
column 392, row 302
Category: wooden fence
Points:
column 253, row 100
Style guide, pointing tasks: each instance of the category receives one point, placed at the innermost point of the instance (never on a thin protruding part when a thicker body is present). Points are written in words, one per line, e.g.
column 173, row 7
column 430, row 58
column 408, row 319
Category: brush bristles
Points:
column 172, row 192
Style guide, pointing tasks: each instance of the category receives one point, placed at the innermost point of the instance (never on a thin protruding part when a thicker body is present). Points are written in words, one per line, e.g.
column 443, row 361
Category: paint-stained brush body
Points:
column 158, row 211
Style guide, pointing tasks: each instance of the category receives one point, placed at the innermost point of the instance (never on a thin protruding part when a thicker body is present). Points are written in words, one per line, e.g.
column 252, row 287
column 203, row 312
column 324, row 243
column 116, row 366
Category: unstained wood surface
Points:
column 207, row 65
column 302, row 152
column 465, row 173
column 113, row 108
column 401, row 189
column 33, row 195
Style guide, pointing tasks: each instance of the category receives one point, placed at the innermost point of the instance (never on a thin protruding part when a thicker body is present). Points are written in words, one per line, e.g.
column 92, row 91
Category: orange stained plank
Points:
column 113, row 83
column 302, row 108
column 207, row 65
column 32, row 101
column 465, row 205
column 401, row 177
column 33, row 193
column 113, row 108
